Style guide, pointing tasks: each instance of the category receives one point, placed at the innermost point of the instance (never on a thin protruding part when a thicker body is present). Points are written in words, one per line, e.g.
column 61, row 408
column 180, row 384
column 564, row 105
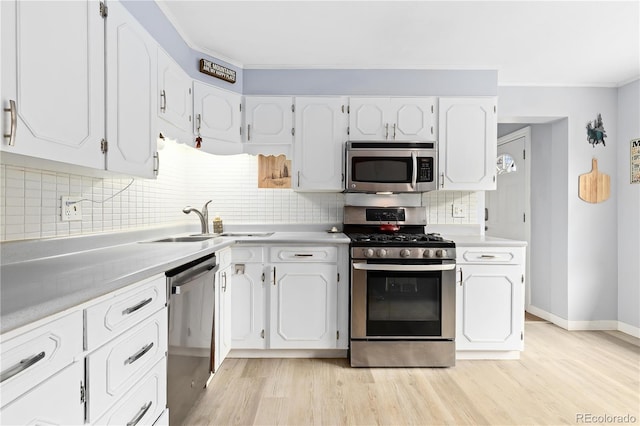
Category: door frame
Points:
column 525, row 133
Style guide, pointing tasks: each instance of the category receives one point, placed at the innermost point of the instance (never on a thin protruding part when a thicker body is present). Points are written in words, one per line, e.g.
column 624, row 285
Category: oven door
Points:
column 391, row 170
column 403, row 300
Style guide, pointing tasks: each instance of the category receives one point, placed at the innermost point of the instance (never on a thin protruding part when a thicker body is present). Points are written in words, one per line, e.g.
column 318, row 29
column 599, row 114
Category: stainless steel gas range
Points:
column 402, row 289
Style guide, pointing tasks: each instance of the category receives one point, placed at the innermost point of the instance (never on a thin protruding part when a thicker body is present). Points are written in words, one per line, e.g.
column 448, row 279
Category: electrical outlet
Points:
column 71, row 208
column 457, row 210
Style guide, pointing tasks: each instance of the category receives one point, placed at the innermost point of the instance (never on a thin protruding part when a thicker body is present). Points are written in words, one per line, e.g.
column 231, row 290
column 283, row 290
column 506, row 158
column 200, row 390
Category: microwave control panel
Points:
column 425, row 169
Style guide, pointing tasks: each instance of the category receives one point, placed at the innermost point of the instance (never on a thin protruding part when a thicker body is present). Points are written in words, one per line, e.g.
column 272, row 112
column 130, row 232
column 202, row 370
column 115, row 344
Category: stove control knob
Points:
column 441, row 253
column 381, row 252
column 405, row 253
column 428, row 253
column 368, row 252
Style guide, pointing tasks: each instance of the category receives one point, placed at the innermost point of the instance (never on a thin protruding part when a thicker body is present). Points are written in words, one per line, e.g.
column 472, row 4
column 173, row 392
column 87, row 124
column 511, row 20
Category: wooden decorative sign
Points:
column 217, row 71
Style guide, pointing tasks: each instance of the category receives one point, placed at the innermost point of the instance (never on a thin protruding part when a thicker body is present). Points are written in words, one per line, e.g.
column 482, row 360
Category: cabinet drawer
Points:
column 114, row 316
column 56, row 401
column 304, row 254
column 490, row 255
column 31, row 357
column 115, row 367
column 246, row 254
column 143, row 403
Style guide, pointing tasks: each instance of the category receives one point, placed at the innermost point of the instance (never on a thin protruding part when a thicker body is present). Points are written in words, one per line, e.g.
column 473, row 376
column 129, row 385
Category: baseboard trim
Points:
column 287, row 353
column 470, row 355
column 585, row 325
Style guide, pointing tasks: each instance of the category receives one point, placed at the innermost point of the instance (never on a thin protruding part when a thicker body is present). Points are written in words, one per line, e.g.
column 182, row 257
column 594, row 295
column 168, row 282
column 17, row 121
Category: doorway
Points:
column 508, row 208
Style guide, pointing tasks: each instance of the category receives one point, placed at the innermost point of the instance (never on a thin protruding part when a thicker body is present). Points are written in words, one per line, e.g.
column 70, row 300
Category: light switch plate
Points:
column 457, row 210
column 71, row 208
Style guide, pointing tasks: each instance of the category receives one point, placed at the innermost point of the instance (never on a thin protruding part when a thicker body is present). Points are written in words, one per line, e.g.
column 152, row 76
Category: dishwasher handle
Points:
column 182, row 285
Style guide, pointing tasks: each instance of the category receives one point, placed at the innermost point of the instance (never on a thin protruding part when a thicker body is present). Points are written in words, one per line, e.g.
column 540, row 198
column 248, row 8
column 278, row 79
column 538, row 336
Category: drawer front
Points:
column 117, row 366
column 114, row 316
column 143, row 403
column 491, row 255
column 223, row 257
column 55, row 401
column 304, row 254
column 30, row 358
column 244, row 254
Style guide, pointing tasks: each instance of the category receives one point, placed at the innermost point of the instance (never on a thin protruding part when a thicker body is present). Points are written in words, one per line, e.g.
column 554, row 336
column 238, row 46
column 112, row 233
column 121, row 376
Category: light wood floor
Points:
column 560, row 376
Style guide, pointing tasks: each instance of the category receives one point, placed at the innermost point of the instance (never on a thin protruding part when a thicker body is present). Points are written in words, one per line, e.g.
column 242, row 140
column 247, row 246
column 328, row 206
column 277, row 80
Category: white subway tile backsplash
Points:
column 30, row 199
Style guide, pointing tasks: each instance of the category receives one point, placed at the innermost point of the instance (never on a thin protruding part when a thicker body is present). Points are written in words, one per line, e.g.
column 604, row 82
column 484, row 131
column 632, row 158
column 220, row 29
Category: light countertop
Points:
column 483, row 240
column 39, row 287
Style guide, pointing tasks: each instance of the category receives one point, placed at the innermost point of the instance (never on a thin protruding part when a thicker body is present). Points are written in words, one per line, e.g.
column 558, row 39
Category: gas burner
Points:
column 395, row 238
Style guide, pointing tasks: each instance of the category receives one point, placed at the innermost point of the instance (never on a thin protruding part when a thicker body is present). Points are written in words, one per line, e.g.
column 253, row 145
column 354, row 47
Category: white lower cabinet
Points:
column 490, row 299
column 222, row 323
column 291, row 301
column 56, row 401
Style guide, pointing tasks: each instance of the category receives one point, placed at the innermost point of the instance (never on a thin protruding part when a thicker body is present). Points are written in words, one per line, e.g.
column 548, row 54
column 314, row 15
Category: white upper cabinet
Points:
column 392, row 119
column 53, row 80
column 321, row 130
column 467, row 145
column 217, row 119
column 131, row 95
column 175, row 99
column 269, row 120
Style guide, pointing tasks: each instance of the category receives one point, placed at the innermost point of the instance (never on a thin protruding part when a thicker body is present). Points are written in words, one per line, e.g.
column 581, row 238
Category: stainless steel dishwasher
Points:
column 191, row 315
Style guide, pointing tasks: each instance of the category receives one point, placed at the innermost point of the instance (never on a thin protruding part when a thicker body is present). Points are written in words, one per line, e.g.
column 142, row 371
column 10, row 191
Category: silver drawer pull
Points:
column 136, row 307
column 133, row 358
column 163, row 98
column 21, row 366
column 302, row 255
column 140, row 414
column 487, row 256
column 14, row 123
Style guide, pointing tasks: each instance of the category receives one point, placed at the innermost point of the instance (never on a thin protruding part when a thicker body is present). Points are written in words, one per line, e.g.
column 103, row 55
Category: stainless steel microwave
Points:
column 391, row 166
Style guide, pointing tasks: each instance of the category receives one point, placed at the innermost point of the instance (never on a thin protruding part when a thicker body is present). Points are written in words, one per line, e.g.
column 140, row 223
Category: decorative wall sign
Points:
column 274, row 172
column 596, row 132
column 217, row 70
column 635, row 160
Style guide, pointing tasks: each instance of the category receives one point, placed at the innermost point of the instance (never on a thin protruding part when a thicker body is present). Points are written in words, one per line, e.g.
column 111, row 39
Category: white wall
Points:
column 583, row 236
column 628, row 208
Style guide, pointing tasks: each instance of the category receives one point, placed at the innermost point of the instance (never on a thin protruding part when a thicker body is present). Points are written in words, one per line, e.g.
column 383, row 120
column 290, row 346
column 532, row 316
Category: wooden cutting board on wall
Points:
column 594, row 187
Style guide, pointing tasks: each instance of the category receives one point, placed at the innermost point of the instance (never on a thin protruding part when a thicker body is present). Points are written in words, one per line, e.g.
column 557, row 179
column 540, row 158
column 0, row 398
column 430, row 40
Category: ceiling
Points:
column 539, row 43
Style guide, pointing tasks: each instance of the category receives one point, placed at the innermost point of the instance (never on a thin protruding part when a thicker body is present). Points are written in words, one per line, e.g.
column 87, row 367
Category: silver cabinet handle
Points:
column 461, row 277
column 21, row 366
column 487, row 256
column 156, row 169
column 224, row 282
column 394, row 130
column 442, row 180
column 163, row 98
column 303, row 255
column 14, row 123
column 386, row 131
column 248, row 132
column 298, row 178
column 140, row 414
column 133, row 358
column 134, row 308
column 274, row 275
column 431, row 129
column 198, row 122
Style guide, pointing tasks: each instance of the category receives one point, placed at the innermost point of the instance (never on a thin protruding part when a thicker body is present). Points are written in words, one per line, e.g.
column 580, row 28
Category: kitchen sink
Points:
column 185, row 239
column 246, row 234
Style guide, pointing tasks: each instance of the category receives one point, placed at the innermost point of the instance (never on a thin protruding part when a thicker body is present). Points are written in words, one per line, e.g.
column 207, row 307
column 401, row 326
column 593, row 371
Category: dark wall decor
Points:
column 596, row 132
column 217, row 70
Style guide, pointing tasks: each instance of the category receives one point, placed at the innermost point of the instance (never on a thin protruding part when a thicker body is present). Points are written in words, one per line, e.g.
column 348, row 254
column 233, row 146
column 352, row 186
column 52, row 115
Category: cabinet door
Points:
column 490, row 311
column 412, row 119
column 468, row 143
column 303, row 306
column 368, row 119
column 55, row 401
column 223, row 316
column 217, row 119
column 53, row 73
column 269, row 119
column 247, row 306
column 131, row 96
column 321, row 130
column 175, row 100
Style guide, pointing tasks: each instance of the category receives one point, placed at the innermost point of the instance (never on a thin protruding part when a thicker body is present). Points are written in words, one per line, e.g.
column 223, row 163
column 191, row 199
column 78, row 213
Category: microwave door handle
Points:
column 414, row 175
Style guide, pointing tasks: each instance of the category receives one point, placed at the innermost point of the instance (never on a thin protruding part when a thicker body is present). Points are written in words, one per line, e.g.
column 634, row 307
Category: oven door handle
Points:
column 394, row 267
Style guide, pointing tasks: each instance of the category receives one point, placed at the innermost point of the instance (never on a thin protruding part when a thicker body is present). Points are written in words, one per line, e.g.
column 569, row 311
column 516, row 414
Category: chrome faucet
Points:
column 204, row 216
